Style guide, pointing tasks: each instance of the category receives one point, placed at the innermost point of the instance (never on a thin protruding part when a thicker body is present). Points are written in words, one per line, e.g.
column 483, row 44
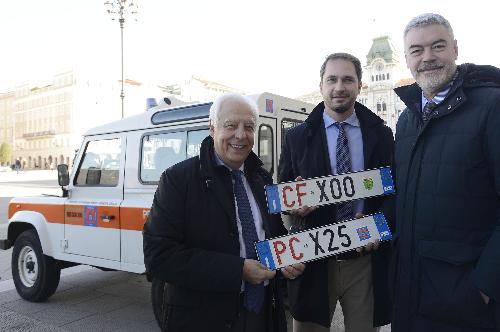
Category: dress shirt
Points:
column 355, row 142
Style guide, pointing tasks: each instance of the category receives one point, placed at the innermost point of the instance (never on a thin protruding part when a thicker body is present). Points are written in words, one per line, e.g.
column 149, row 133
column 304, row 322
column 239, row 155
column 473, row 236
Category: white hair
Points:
column 428, row 19
column 217, row 105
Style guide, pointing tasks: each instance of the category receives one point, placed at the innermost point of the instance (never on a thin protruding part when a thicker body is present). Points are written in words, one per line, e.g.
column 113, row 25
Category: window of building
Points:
column 387, row 75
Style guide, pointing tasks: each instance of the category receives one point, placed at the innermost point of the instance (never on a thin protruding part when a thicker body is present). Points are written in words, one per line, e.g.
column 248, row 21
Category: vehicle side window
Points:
column 100, row 165
column 286, row 125
column 266, row 143
column 160, row 151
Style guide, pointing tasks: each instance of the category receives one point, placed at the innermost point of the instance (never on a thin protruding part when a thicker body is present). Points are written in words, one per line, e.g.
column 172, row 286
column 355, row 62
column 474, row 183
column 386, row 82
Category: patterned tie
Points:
column 344, row 210
column 254, row 294
column 428, row 110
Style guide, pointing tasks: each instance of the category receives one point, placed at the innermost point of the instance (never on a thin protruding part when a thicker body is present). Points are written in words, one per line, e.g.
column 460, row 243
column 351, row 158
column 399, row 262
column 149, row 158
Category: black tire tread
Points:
column 49, row 272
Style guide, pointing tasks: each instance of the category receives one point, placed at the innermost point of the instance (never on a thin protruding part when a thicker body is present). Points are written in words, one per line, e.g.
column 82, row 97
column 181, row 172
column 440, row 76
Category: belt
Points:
column 352, row 254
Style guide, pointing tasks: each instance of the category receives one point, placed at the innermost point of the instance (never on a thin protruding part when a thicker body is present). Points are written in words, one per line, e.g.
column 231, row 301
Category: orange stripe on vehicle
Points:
column 133, row 219
column 126, row 218
column 52, row 212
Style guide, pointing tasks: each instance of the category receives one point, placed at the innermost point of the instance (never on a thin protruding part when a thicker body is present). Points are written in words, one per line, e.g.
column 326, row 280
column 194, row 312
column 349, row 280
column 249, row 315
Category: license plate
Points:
column 321, row 242
column 288, row 196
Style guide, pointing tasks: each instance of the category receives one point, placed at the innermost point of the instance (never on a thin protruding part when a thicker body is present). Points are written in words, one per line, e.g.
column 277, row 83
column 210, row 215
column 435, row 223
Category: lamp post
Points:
column 118, row 9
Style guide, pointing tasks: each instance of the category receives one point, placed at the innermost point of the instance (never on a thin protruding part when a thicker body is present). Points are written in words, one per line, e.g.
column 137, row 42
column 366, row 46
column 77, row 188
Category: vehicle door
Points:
column 92, row 211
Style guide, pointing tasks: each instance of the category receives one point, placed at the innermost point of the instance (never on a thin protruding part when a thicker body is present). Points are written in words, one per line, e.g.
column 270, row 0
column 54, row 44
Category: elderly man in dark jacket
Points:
column 446, row 266
column 207, row 213
column 357, row 280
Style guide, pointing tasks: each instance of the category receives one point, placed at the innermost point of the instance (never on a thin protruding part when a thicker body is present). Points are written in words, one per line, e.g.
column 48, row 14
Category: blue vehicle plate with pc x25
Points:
column 321, row 242
column 288, row 196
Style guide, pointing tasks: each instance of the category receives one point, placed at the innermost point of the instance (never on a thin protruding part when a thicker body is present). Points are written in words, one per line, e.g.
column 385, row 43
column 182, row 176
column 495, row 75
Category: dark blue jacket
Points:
column 305, row 153
column 191, row 242
column 447, row 243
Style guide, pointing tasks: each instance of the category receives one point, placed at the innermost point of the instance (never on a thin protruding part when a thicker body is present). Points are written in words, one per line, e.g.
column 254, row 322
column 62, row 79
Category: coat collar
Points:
column 368, row 121
column 469, row 76
column 208, row 164
column 217, row 177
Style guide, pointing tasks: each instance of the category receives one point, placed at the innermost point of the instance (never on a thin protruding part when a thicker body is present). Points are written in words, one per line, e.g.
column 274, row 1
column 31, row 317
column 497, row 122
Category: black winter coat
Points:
column 191, row 242
column 305, row 153
column 447, row 244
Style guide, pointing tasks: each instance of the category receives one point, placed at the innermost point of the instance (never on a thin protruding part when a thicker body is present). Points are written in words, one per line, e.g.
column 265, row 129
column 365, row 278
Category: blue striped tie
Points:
column 344, row 210
column 254, row 294
column 428, row 110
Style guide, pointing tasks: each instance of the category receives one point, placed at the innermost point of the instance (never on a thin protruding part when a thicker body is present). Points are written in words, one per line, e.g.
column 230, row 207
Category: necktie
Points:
column 428, row 110
column 254, row 294
column 344, row 210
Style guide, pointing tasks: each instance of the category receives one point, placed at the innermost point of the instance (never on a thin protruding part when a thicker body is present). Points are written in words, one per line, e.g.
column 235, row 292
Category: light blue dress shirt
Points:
column 355, row 142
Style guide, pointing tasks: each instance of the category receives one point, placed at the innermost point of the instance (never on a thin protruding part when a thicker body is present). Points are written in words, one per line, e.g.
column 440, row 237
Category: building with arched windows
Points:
column 381, row 74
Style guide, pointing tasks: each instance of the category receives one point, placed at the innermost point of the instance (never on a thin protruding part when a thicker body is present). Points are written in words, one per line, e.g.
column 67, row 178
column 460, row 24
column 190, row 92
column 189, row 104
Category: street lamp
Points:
column 119, row 9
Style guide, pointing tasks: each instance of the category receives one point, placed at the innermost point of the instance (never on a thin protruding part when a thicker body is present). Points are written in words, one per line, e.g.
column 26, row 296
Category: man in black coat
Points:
column 446, row 266
column 207, row 213
column 356, row 279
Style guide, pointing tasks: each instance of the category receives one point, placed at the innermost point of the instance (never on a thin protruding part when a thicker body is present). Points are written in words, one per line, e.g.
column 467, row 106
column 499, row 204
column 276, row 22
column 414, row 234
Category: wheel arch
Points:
column 25, row 220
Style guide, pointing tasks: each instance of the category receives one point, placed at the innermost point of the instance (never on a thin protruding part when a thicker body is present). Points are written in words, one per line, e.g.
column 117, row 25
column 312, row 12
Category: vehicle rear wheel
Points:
column 158, row 289
column 36, row 276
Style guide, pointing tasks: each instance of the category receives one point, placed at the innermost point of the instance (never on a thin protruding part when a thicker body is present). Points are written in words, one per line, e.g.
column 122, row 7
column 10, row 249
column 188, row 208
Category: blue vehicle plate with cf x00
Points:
column 321, row 242
column 288, row 196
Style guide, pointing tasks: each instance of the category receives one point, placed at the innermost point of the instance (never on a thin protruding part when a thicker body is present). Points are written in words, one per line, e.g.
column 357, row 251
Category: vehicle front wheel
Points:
column 36, row 276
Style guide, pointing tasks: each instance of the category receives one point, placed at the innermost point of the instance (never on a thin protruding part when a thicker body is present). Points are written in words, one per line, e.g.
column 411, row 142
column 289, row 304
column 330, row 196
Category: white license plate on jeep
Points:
column 288, row 196
column 322, row 242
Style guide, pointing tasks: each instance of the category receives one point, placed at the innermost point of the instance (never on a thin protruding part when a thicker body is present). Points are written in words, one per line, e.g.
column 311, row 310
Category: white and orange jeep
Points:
column 99, row 217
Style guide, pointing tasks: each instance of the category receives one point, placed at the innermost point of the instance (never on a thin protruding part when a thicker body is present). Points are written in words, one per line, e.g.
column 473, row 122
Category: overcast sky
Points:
column 258, row 45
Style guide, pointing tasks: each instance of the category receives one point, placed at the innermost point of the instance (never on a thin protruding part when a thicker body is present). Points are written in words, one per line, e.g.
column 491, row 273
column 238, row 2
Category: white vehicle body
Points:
column 115, row 176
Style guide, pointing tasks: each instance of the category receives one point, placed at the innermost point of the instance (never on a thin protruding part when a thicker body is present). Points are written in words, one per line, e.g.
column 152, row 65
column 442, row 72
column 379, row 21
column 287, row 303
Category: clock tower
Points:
column 379, row 78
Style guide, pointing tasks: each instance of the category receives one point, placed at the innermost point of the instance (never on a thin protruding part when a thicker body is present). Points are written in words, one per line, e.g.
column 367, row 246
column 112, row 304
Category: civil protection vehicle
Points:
column 99, row 217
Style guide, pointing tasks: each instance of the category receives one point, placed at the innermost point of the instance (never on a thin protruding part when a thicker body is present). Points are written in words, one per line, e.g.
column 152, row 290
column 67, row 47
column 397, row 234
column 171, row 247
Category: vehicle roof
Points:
column 165, row 114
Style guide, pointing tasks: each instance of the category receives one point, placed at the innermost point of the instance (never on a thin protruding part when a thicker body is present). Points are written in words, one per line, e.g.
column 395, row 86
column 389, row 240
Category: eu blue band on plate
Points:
column 273, row 199
column 387, row 183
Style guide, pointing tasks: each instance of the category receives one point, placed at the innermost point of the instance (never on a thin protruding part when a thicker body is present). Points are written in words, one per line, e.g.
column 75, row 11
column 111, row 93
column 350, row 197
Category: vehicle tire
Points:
column 158, row 289
column 36, row 276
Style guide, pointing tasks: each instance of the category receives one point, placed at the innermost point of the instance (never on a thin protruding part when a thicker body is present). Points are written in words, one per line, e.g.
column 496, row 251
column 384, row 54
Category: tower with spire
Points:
column 380, row 75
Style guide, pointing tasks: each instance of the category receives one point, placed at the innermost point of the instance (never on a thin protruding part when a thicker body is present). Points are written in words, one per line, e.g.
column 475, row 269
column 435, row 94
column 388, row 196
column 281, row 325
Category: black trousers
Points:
column 249, row 321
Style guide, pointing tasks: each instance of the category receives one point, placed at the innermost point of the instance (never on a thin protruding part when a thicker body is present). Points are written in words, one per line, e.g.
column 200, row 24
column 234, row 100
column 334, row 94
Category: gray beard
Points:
column 431, row 85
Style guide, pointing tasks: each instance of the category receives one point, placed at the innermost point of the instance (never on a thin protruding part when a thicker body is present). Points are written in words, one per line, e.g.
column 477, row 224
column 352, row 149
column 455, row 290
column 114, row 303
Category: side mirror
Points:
column 62, row 175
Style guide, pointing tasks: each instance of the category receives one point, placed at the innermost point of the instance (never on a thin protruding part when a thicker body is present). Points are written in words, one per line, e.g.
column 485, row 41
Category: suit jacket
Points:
column 305, row 153
column 191, row 242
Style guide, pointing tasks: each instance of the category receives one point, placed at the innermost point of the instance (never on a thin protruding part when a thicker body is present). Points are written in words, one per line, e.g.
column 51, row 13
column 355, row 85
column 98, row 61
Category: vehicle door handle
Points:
column 106, row 218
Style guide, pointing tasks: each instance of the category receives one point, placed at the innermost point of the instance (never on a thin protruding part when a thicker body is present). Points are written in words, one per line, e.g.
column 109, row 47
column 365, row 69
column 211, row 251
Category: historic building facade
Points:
column 6, row 122
column 44, row 124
